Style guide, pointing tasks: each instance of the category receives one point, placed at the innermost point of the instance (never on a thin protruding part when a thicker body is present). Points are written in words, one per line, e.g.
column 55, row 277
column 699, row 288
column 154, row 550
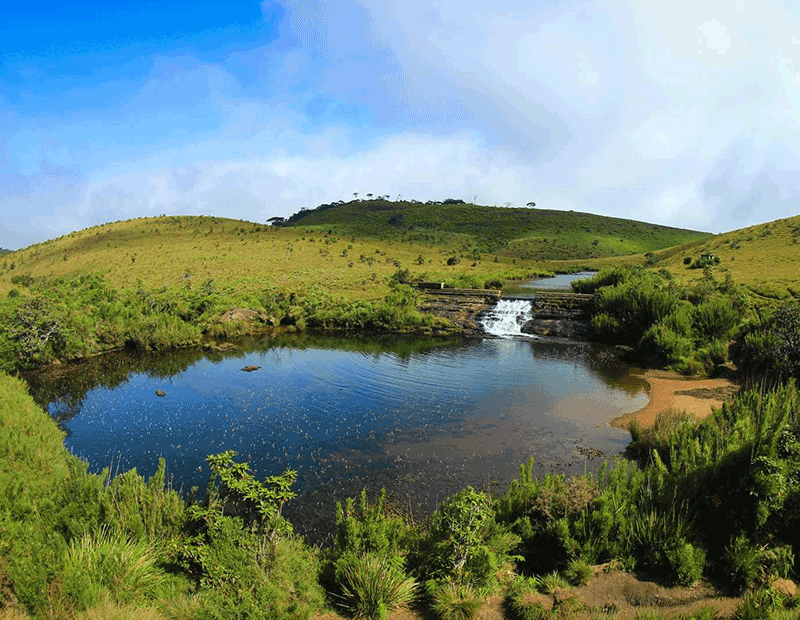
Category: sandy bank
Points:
column 670, row 390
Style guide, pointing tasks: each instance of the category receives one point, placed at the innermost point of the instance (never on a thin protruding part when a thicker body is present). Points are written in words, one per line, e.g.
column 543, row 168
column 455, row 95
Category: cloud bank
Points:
column 683, row 114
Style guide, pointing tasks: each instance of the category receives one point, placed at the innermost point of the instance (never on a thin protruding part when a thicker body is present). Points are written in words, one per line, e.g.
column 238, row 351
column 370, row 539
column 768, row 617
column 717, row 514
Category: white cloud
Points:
column 684, row 111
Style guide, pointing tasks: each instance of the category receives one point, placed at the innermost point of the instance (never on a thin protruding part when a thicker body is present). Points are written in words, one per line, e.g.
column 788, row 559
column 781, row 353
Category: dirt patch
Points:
column 669, row 390
column 718, row 393
column 615, row 592
column 627, row 594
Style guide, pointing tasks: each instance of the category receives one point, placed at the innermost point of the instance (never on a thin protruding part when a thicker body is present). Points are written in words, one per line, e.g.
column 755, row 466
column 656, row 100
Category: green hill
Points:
column 527, row 234
column 765, row 258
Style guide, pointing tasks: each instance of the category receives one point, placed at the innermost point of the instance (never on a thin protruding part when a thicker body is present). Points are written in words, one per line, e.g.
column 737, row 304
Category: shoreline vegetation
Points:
column 711, row 498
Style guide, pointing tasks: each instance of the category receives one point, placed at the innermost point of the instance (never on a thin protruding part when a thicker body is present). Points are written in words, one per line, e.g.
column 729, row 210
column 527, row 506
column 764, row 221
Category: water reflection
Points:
column 412, row 415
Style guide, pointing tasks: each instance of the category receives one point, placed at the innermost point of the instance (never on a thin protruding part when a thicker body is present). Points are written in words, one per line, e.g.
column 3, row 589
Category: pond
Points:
column 559, row 282
column 419, row 417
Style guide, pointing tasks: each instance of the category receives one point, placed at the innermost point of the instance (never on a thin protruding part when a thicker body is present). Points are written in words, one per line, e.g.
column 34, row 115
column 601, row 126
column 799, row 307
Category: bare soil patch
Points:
column 669, row 390
column 614, row 593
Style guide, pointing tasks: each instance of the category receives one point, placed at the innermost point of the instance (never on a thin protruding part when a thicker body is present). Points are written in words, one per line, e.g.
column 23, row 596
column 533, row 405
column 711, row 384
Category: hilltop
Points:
column 522, row 233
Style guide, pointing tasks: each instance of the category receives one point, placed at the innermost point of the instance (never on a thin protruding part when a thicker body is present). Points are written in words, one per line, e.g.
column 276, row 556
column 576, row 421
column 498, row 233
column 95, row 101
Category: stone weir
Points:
column 462, row 306
column 557, row 314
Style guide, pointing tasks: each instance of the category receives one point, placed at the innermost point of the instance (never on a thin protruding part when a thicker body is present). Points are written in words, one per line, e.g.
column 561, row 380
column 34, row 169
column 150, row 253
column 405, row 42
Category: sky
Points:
column 684, row 113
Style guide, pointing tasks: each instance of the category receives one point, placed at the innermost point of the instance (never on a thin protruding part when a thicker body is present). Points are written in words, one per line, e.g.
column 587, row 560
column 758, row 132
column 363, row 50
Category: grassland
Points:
column 524, row 234
column 171, row 251
column 764, row 258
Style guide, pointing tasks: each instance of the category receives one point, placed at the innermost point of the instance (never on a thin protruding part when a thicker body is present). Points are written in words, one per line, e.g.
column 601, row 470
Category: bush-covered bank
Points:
column 688, row 329
column 44, row 320
column 717, row 498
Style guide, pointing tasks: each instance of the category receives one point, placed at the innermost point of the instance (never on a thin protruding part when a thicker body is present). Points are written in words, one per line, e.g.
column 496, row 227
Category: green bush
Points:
column 372, row 584
column 661, row 346
column 770, row 346
column 578, row 572
column 104, row 564
column 453, row 600
column 605, row 327
column 465, row 543
column 715, row 319
column 369, row 529
column 526, row 602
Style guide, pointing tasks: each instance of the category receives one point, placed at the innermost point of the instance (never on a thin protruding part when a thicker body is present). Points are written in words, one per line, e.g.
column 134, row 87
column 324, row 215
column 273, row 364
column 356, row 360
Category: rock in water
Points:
column 250, row 368
column 160, row 393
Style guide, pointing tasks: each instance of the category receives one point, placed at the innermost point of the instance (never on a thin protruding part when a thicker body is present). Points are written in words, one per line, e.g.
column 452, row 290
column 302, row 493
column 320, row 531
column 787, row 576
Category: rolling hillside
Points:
column 245, row 257
column 525, row 234
column 765, row 258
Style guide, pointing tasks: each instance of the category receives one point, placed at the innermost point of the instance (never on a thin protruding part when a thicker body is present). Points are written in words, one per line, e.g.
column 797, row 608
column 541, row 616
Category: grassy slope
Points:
column 527, row 234
column 32, row 454
column 765, row 258
column 248, row 256
column 166, row 251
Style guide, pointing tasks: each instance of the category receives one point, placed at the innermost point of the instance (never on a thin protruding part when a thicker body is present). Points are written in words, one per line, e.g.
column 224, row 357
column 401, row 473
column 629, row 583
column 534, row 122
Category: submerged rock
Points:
column 250, row 368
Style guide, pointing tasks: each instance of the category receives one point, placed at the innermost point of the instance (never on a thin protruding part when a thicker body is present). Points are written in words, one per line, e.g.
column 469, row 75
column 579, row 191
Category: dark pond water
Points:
column 421, row 418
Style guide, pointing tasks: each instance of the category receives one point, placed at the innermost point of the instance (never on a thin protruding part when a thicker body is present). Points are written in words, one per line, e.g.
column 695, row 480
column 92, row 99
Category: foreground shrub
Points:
column 105, row 564
column 451, row 600
column 465, row 542
column 578, row 572
column 770, row 346
column 373, row 584
column 526, row 602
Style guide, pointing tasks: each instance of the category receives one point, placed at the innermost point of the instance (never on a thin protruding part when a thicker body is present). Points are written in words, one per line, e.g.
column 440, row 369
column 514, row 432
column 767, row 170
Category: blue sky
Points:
column 684, row 113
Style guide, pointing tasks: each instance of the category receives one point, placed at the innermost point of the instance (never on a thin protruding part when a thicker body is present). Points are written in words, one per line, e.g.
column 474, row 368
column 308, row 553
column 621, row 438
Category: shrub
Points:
column 660, row 345
column 771, row 346
column 578, row 572
column 465, row 542
column 715, row 319
column 104, row 563
column 526, row 602
column 605, row 327
column 368, row 528
column 372, row 584
column 455, row 601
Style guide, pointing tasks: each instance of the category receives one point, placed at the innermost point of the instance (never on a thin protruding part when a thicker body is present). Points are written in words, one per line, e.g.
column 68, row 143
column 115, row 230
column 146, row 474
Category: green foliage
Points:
column 465, row 543
column 372, row 584
column 770, row 346
column 704, row 261
column 686, row 329
column 578, row 572
column 245, row 495
column 526, row 602
column 104, row 564
column 661, row 346
column 366, row 528
column 715, row 318
column 144, row 510
column 454, row 600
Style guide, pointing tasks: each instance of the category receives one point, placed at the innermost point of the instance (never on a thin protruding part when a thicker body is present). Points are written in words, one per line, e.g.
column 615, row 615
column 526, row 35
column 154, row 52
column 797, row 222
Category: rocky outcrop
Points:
column 245, row 315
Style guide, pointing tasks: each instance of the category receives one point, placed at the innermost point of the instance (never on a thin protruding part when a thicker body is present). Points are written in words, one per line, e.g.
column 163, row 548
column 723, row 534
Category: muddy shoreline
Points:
column 669, row 390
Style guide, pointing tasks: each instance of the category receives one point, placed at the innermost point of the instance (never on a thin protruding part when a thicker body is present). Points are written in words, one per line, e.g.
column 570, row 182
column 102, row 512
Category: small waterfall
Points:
column 507, row 317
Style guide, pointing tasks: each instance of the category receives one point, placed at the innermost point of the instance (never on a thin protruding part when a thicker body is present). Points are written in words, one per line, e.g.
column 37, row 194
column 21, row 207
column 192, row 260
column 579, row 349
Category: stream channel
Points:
column 421, row 417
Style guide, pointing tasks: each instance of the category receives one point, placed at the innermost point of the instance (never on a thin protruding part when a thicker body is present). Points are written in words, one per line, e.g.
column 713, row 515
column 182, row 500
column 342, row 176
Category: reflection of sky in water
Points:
column 422, row 425
column 561, row 281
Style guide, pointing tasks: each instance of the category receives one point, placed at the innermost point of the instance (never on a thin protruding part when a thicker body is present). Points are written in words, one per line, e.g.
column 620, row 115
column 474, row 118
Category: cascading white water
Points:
column 507, row 317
